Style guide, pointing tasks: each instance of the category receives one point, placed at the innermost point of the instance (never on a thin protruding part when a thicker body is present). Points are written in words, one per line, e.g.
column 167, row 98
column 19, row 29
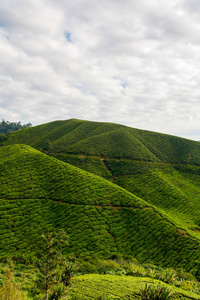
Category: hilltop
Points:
column 108, row 140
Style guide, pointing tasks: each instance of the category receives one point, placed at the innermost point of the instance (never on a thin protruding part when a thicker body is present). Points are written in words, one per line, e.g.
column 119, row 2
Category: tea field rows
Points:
column 39, row 193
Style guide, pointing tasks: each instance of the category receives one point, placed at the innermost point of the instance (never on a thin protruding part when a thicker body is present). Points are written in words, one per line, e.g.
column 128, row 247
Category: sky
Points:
column 129, row 62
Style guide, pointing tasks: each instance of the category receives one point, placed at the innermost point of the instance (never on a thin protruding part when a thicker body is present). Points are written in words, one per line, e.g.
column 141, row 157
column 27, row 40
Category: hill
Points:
column 39, row 193
column 162, row 169
column 108, row 140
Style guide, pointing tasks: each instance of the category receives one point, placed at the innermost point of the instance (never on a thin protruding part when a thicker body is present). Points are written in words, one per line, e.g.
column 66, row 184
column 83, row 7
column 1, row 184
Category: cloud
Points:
column 130, row 62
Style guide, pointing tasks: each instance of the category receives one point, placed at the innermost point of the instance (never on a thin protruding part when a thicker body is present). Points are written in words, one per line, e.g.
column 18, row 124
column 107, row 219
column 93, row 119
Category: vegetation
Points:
column 10, row 288
column 108, row 140
column 128, row 200
column 47, row 146
column 47, row 263
column 124, row 287
column 100, row 217
column 155, row 292
column 6, row 126
column 113, row 282
column 90, row 164
column 52, row 278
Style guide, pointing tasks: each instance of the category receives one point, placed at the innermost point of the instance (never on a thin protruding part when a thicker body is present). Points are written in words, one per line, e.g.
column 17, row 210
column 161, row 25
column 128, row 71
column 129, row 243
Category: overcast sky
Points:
column 125, row 61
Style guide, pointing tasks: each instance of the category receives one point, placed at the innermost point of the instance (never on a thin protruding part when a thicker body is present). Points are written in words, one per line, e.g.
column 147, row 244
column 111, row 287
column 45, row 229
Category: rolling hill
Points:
column 108, row 140
column 114, row 189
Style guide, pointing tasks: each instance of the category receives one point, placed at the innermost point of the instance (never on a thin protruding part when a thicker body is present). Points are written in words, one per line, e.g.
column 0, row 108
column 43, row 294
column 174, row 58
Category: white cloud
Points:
column 130, row 62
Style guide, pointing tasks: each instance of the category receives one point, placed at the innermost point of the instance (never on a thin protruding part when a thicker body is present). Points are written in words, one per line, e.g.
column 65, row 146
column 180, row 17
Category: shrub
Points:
column 189, row 286
column 155, row 292
column 182, row 274
column 136, row 270
column 168, row 276
column 87, row 268
column 105, row 297
column 57, row 292
column 108, row 267
column 11, row 289
column 68, row 272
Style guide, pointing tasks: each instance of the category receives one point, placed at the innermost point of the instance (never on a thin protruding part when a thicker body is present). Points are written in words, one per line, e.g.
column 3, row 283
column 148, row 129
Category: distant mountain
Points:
column 114, row 189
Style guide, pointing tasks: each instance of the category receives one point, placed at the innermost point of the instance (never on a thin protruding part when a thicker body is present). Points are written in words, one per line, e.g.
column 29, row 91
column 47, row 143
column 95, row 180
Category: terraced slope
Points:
column 108, row 140
column 28, row 173
column 172, row 188
column 39, row 193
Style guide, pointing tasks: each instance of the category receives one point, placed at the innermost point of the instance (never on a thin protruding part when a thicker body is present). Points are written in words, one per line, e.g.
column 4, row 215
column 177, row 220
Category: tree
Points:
column 48, row 259
column 62, row 239
column 47, row 146
column 3, row 138
column 6, row 126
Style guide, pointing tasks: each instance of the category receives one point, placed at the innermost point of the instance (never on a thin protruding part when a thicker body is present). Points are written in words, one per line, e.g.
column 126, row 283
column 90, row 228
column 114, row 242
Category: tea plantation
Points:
column 40, row 193
column 113, row 189
column 107, row 139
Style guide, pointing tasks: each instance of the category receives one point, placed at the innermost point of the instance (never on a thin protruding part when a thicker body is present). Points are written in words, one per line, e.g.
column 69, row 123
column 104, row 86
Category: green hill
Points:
column 108, row 140
column 172, row 188
column 114, row 189
column 40, row 193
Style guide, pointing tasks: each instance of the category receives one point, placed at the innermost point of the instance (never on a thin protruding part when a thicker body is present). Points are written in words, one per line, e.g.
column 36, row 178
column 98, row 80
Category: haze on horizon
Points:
column 135, row 63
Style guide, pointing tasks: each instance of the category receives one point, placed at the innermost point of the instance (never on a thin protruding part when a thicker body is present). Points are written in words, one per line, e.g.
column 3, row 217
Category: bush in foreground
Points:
column 155, row 292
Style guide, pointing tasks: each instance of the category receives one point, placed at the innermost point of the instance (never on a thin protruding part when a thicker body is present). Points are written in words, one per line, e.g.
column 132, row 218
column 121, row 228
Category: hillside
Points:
column 40, row 193
column 159, row 168
column 114, row 189
column 108, row 140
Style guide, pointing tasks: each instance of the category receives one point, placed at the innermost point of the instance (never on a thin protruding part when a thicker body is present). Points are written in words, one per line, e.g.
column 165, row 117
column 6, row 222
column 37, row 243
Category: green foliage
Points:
column 106, row 297
column 148, row 209
column 87, row 268
column 168, row 276
column 136, row 270
column 57, row 292
column 47, row 263
column 90, row 164
column 107, row 139
column 47, row 146
column 41, row 176
column 3, row 138
column 10, row 288
column 124, row 287
column 108, row 286
column 109, row 267
column 61, row 241
column 155, row 292
column 6, row 126
column 67, row 272
column 41, row 194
